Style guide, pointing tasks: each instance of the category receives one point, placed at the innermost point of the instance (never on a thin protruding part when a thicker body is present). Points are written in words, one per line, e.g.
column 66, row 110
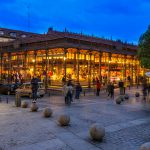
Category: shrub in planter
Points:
column 97, row 132
column 47, row 112
column 145, row 146
column 118, row 100
column 34, row 107
column 24, row 104
column 64, row 120
column 126, row 96
column 137, row 94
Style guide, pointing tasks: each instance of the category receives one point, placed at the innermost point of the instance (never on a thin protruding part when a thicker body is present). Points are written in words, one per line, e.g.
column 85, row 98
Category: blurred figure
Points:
column 145, row 87
column 121, row 87
column 69, row 93
column 112, row 87
column 34, row 84
column 148, row 88
column 108, row 89
column 65, row 92
column 98, row 87
column 78, row 90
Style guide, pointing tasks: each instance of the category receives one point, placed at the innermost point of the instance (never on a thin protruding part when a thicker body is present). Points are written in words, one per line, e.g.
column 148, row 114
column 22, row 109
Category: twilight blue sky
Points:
column 119, row 19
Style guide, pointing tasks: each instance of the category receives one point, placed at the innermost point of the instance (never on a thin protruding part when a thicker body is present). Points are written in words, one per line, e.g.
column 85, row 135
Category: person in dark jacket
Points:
column 109, row 88
column 34, row 84
column 98, row 87
column 121, row 87
column 112, row 87
column 78, row 91
column 145, row 87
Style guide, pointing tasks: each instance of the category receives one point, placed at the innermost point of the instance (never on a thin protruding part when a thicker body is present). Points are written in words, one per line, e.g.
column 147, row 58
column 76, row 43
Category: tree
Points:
column 144, row 49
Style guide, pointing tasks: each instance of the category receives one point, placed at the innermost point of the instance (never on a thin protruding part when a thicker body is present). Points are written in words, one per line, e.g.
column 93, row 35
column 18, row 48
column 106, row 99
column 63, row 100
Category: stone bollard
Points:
column 24, row 104
column 118, row 100
column 18, row 100
column 64, row 120
column 145, row 146
column 47, row 112
column 34, row 107
column 97, row 132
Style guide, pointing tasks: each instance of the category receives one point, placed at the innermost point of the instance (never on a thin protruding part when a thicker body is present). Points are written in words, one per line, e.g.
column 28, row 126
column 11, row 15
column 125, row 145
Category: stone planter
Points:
column 47, row 112
column 145, row 146
column 118, row 100
column 34, row 107
column 97, row 132
column 137, row 94
column 24, row 104
column 64, row 120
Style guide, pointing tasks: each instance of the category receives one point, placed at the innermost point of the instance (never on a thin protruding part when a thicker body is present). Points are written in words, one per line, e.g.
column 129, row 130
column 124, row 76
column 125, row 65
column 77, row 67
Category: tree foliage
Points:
column 144, row 49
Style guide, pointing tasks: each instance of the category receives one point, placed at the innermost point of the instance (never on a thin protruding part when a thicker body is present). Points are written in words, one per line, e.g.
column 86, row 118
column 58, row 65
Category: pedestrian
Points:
column 121, row 87
column 125, row 86
column 98, row 87
column 148, row 88
column 69, row 92
column 144, row 90
column 65, row 92
column 78, row 90
column 112, row 87
column 34, row 87
column 109, row 88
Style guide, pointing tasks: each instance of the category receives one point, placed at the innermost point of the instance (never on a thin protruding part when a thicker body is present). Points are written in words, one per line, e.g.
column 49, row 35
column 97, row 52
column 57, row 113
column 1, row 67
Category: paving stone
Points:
column 127, row 125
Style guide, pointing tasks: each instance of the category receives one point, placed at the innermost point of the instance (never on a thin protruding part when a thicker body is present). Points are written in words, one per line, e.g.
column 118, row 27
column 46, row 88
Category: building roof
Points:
column 15, row 34
column 69, row 39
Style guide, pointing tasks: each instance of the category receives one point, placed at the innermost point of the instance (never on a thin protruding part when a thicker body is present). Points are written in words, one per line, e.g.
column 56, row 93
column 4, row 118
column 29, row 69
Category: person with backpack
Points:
column 78, row 90
column 34, row 87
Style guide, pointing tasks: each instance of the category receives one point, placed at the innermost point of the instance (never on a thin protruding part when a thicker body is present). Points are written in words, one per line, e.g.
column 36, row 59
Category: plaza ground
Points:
column 127, row 125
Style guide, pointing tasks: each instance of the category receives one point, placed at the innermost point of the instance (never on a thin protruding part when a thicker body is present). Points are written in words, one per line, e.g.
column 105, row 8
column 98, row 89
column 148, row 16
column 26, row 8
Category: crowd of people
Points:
column 71, row 90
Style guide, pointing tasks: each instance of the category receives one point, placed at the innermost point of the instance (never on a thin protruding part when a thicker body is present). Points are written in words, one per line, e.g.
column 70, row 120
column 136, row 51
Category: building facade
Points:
column 58, row 56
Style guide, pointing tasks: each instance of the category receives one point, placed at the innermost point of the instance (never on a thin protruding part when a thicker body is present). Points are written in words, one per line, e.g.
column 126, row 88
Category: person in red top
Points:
column 98, row 87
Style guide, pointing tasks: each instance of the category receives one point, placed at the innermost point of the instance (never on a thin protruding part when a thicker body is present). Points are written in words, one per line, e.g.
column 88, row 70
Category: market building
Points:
column 58, row 56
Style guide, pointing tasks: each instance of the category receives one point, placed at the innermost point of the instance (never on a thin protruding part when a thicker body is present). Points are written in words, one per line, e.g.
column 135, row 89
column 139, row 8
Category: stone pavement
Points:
column 127, row 125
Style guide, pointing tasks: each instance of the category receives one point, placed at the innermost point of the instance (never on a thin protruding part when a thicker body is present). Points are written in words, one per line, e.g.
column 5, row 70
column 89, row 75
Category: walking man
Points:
column 98, row 87
column 34, row 84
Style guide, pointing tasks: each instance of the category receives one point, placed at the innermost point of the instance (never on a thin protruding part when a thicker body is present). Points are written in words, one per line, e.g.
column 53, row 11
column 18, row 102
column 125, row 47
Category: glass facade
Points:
column 53, row 65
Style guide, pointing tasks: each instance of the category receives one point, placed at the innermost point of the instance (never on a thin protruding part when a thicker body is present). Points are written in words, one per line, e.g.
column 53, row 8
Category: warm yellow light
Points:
column 33, row 60
column 64, row 58
column 31, row 69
